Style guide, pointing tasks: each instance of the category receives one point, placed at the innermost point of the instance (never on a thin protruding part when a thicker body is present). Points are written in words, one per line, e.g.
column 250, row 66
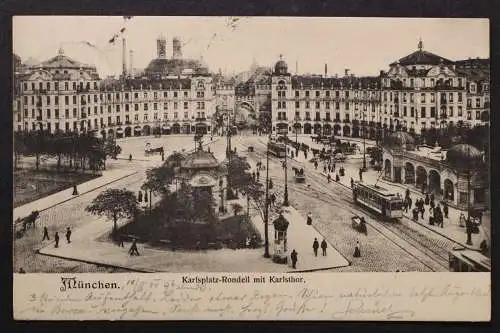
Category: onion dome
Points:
column 281, row 67
column 464, row 156
column 281, row 223
column 400, row 140
column 200, row 160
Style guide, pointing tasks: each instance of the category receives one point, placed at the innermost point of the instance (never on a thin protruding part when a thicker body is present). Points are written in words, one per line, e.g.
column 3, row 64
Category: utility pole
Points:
column 468, row 223
column 266, row 210
column 285, row 196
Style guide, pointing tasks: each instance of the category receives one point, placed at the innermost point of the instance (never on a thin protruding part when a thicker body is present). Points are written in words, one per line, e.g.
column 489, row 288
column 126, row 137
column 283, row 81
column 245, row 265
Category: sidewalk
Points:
column 108, row 176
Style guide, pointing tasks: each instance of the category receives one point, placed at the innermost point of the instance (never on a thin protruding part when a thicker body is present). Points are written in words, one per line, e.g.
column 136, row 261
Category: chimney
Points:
column 346, row 72
column 124, row 58
column 326, row 70
column 131, row 64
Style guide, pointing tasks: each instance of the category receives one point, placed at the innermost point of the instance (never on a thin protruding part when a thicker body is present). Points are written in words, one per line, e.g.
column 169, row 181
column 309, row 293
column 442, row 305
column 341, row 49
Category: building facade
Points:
column 177, row 95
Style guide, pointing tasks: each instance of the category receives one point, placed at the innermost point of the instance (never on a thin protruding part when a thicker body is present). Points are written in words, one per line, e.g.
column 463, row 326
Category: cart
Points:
column 358, row 224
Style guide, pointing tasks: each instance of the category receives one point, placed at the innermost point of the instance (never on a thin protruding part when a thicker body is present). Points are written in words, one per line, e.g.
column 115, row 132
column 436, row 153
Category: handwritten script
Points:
column 157, row 298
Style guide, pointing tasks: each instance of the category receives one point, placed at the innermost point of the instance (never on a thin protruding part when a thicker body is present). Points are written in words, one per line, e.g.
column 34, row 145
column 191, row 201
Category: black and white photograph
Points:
column 250, row 144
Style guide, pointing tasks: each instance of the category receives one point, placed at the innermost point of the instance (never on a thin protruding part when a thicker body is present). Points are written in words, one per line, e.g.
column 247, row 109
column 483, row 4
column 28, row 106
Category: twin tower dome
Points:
column 161, row 47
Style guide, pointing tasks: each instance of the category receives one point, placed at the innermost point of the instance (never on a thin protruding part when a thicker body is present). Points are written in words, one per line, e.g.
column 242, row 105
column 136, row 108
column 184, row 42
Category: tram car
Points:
column 464, row 260
column 379, row 199
column 300, row 176
column 276, row 149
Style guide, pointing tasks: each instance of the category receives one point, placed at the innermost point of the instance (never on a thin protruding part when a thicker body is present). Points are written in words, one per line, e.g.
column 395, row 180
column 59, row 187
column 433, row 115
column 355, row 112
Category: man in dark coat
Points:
column 427, row 199
column 360, row 174
column 133, row 248
column 309, row 219
column 56, row 238
column 324, row 245
column 445, row 209
column 45, row 234
column 315, row 247
column 294, row 258
column 68, row 235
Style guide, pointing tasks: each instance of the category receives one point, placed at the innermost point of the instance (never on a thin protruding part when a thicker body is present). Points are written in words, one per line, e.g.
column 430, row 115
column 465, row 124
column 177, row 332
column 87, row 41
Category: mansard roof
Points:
column 422, row 57
column 319, row 82
column 146, row 83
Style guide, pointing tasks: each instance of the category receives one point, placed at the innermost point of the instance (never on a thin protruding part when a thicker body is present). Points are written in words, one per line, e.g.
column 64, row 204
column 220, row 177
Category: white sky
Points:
column 364, row 45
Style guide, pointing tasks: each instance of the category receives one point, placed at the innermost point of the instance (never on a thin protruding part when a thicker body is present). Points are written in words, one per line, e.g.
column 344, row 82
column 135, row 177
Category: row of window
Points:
column 48, row 86
column 199, row 115
column 338, row 94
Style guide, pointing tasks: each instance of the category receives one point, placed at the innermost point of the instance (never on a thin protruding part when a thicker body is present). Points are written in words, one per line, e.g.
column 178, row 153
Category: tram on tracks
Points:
column 378, row 199
column 276, row 149
column 465, row 260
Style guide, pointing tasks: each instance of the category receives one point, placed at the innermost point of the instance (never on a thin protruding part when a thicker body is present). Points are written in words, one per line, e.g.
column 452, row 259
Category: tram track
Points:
column 430, row 254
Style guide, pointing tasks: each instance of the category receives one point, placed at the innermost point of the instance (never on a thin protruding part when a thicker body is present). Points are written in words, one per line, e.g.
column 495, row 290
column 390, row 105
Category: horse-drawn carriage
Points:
column 21, row 225
column 299, row 176
column 359, row 224
column 151, row 151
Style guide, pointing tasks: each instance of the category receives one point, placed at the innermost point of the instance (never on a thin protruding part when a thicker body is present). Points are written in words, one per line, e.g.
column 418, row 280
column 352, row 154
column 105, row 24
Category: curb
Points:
column 95, row 263
column 76, row 196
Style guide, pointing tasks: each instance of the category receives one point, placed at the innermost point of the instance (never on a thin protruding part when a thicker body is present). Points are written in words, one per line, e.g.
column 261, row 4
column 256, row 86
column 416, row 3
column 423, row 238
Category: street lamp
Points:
column 285, row 196
column 266, row 210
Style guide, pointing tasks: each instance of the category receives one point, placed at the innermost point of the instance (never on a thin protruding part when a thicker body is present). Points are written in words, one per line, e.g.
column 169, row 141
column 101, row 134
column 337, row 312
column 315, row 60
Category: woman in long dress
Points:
column 357, row 251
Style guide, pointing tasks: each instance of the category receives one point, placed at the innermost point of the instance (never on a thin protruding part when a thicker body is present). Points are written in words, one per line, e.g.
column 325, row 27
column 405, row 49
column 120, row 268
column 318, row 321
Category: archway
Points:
column 317, row 129
column 434, row 182
column 128, row 132
column 119, row 133
column 297, row 128
column 103, row 134
column 176, row 128
column 165, row 129
column 186, row 128
column 157, row 130
column 372, row 134
column 111, row 133
column 387, row 168
column 307, row 128
column 137, row 131
column 409, row 173
column 146, row 130
column 347, row 130
column 336, row 129
column 449, row 193
column 327, row 130
column 421, row 177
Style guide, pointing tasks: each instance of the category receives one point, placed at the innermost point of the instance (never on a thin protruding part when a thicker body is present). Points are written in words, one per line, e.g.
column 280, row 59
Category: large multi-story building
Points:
column 419, row 91
column 173, row 96
column 177, row 95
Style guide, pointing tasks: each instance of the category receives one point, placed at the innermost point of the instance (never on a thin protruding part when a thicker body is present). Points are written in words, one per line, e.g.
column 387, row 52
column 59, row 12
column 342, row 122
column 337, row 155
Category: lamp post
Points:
column 266, row 210
column 285, row 195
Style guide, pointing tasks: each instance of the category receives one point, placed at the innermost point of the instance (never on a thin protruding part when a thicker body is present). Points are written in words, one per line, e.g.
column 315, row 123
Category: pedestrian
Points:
column 461, row 220
column 409, row 202
column 293, row 256
column 352, row 182
column 431, row 197
column 415, row 214
column 445, row 209
column 120, row 241
column 324, row 168
column 258, row 175
column 407, row 192
column 427, row 199
column 328, row 178
column 324, row 245
column 360, row 175
column 130, row 157
column 315, row 247
column 45, row 234
column 22, row 271
column 431, row 216
column 273, row 199
column 422, row 211
column 270, row 184
column 133, row 248
column 405, row 206
column 357, row 251
column 309, row 219
column 253, row 176
column 68, row 235
column 337, row 178
column 432, row 204
column 56, row 238
column 316, row 165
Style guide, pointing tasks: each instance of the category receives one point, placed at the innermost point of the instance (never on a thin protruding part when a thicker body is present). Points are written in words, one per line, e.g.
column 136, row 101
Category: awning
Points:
column 137, row 128
column 165, row 127
column 119, row 130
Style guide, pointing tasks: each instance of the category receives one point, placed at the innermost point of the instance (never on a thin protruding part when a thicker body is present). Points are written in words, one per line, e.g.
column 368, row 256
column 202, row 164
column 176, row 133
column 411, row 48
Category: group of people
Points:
column 436, row 214
column 56, row 236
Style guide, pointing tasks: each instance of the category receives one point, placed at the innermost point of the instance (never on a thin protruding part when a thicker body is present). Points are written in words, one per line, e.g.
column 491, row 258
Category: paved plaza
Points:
column 331, row 221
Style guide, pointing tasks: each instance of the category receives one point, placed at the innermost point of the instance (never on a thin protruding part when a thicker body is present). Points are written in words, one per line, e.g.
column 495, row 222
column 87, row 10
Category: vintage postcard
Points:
column 269, row 168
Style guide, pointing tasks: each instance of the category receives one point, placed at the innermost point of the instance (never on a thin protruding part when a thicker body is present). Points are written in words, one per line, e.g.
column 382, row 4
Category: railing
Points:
column 127, row 122
column 327, row 120
column 119, row 123
column 317, row 119
column 201, row 119
column 307, row 119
